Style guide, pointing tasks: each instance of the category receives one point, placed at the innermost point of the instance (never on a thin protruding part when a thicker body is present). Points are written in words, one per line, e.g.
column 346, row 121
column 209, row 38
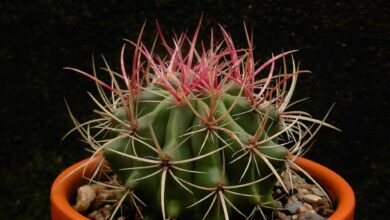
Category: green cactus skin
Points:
column 197, row 135
column 173, row 125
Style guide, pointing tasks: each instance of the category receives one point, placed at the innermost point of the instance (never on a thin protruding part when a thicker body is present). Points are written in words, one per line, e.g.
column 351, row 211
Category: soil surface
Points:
column 302, row 201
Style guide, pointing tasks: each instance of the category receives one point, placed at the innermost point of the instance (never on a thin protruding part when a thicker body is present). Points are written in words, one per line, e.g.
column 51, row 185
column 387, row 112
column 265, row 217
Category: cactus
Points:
column 198, row 134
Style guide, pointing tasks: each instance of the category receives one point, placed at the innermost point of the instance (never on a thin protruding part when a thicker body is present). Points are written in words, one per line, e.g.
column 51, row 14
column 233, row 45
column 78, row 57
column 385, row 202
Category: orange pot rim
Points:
column 65, row 187
column 340, row 191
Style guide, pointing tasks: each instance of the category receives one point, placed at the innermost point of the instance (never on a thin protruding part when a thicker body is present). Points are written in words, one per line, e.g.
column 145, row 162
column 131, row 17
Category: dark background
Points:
column 344, row 43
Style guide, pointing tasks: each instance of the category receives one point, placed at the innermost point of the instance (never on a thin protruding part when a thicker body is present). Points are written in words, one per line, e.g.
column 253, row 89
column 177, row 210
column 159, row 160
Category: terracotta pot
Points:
column 338, row 189
column 63, row 189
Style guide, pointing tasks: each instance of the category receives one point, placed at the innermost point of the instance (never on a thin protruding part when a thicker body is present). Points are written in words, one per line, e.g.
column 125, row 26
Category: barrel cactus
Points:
column 198, row 133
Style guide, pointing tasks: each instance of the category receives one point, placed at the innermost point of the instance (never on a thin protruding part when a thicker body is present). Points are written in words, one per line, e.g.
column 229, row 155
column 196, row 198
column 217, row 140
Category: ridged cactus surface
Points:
column 199, row 133
column 210, row 155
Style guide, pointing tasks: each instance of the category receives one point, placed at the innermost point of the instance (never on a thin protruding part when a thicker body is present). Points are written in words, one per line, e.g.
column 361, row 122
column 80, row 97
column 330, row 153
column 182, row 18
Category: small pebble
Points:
column 281, row 215
column 292, row 199
column 327, row 212
column 99, row 217
column 85, row 196
column 101, row 197
column 308, row 206
column 312, row 199
column 317, row 191
column 106, row 212
column 301, row 209
column 303, row 191
column 279, row 204
column 326, row 204
column 92, row 214
column 310, row 216
column 305, row 186
column 293, row 207
column 97, row 187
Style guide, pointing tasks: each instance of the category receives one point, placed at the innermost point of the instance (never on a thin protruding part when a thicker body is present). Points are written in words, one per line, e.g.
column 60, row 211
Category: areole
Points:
column 63, row 189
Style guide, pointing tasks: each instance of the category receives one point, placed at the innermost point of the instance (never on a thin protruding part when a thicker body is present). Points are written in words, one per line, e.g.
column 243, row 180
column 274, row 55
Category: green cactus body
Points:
column 198, row 135
column 181, row 135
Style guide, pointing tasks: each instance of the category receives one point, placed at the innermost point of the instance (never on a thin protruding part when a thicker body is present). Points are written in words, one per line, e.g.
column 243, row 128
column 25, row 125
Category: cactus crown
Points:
column 199, row 132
